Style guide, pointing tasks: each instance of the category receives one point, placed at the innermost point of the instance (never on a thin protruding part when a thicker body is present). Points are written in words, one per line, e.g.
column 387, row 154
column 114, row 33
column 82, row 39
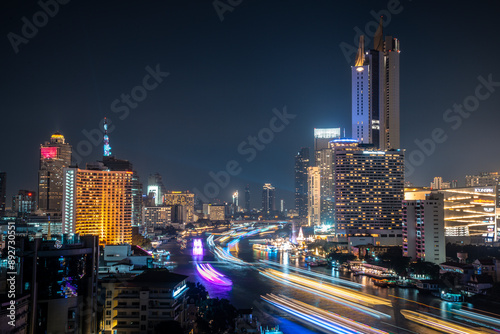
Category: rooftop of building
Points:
column 157, row 277
column 456, row 264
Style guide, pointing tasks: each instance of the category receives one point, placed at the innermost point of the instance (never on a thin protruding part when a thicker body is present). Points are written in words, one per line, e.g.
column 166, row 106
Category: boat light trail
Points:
column 317, row 317
column 337, row 291
column 312, row 273
column 357, row 307
column 213, row 276
column 442, row 325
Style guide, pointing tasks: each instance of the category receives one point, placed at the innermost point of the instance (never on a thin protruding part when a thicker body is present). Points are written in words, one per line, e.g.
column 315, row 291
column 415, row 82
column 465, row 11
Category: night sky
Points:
column 226, row 77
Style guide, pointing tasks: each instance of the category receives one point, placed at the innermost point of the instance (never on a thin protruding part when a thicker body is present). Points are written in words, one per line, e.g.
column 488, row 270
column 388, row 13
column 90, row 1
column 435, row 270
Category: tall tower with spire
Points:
column 107, row 148
column 375, row 92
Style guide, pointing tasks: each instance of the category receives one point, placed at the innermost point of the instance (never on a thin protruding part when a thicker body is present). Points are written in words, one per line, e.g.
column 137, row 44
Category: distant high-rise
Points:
column 268, row 199
column 423, row 229
column 247, row 198
column 98, row 201
column 24, row 202
column 183, row 198
column 3, row 191
column 438, row 183
column 314, row 196
column 482, row 179
column 325, row 164
column 54, row 156
column 375, row 93
column 323, row 136
column 235, row 199
column 369, row 190
column 156, row 189
column 301, row 188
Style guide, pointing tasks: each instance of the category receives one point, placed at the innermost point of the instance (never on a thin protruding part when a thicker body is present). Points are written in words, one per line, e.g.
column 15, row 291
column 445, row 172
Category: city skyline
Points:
column 162, row 118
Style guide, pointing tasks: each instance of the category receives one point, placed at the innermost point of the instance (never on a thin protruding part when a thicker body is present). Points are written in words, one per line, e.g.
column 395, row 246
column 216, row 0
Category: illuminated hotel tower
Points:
column 98, row 201
column 369, row 190
column 375, row 93
column 54, row 156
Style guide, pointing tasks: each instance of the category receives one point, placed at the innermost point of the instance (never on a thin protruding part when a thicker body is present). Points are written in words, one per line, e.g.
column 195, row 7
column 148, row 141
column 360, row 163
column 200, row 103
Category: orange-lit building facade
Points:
column 98, row 202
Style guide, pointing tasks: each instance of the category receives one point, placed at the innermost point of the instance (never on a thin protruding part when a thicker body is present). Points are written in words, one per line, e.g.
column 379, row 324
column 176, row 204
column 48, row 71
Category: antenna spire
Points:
column 360, row 57
column 107, row 148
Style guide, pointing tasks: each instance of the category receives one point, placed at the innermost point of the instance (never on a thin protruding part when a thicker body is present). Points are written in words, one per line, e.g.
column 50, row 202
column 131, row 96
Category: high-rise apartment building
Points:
column 423, row 229
column 314, row 196
column 124, row 165
column 375, row 93
column 184, row 198
column 268, row 199
column 3, row 192
column 369, row 190
column 54, row 156
column 98, row 201
column 301, row 176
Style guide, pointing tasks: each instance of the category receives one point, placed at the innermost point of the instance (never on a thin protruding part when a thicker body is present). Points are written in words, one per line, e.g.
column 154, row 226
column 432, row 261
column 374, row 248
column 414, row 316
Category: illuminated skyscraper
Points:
column 314, row 196
column 156, row 189
column 98, row 201
column 369, row 190
column 325, row 165
column 235, row 199
column 375, row 93
column 3, row 192
column 268, row 199
column 124, row 165
column 301, row 188
column 54, row 156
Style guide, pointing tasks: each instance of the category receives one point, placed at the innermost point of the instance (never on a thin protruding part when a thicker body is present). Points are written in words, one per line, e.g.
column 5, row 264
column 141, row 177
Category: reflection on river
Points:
column 248, row 287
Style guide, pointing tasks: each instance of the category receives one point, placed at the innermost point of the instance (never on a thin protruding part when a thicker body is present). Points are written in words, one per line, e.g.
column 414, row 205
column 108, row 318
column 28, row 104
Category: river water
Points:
column 249, row 285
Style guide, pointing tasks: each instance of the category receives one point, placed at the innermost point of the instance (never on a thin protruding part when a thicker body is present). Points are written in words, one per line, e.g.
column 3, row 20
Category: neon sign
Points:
column 49, row 152
column 483, row 190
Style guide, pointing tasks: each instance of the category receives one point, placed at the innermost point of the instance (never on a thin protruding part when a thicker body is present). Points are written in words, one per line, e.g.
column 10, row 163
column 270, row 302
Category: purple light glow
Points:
column 197, row 247
column 210, row 274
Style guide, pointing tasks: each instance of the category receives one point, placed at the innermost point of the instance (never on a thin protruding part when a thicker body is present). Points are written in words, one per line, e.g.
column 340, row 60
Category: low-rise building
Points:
column 138, row 304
